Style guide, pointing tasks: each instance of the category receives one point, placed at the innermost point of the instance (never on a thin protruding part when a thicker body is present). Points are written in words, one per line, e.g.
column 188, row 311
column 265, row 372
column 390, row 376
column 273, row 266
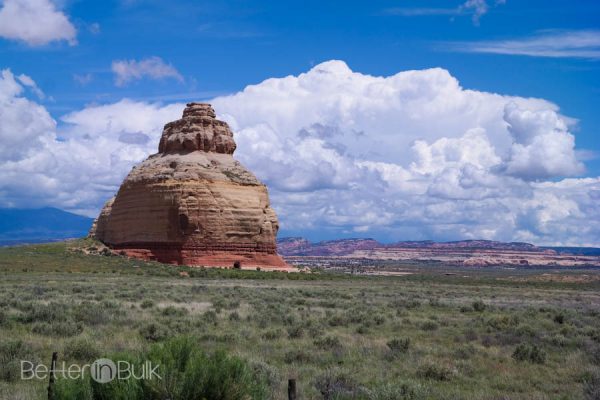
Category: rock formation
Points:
column 192, row 203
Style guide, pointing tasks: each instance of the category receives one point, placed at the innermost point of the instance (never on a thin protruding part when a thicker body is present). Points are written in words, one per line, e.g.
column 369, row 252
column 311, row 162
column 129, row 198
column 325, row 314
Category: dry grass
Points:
column 334, row 334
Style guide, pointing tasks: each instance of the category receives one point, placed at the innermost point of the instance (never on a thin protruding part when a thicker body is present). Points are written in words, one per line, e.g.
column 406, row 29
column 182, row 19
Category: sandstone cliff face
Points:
column 192, row 202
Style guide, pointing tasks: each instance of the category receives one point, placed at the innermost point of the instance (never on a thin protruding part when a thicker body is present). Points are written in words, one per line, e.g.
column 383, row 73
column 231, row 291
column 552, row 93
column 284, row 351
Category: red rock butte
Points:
column 192, row 203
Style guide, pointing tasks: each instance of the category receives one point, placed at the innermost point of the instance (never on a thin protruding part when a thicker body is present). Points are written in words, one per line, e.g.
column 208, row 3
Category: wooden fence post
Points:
column 52, row 377
column 292, row 389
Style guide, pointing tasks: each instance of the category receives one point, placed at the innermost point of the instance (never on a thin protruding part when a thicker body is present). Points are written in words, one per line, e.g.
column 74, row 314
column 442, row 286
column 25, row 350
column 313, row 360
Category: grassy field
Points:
column 434, row 334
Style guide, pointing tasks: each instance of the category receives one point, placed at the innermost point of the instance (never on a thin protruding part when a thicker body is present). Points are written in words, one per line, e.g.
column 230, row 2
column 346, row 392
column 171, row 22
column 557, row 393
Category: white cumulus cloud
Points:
column 152, row 67
column 543, row 146
column 35, row 22
column 408, row 156
column 25, row 125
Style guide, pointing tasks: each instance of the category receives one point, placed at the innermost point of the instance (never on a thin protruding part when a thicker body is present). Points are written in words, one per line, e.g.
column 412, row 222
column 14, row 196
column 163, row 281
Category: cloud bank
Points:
column 408, row 156
column 35, row 22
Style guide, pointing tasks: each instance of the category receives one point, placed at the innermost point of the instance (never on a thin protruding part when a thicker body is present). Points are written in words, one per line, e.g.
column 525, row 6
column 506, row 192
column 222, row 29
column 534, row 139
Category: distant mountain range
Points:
column 298, row 246
column 48, row 224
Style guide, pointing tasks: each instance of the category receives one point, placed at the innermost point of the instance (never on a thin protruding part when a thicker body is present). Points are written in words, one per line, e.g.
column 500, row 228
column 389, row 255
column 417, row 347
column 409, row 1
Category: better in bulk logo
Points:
column 103, row 370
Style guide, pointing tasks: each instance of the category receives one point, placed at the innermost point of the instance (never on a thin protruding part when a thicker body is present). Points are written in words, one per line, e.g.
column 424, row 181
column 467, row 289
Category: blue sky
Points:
column 222, row 46
column 172, row 52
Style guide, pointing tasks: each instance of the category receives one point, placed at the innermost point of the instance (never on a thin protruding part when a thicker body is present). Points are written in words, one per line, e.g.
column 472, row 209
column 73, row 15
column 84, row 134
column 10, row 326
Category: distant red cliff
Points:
column 464, row 252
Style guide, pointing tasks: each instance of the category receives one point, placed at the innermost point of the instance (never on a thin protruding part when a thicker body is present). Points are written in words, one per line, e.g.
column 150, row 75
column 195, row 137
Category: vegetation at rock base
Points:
column 477, row 334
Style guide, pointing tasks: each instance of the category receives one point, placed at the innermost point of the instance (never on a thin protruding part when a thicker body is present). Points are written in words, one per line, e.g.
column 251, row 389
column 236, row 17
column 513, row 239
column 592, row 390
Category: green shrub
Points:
column 435, row 371
column 591, row 388
column 198, row 288
column 81, row 348
column 526, row 330
column 338, row 320
column 210, row 317
column 155, row 332
column 295, row 332
column 559, row 318
column 359, row 317
column 328, row 342
column 405, row 303
column 187, row 374
column 362, row 329
column 396, row 391
column 270, row 374
column 521, row 353
column 91, row 314
column 530, row 353
column 479, row 306
column 111, row 305
column 171, row 311
column 503, row 322
column 595, row 355
column 58, row 328
column 11, row 354
column 298, row 356
column 429, row 326
column 335, row 384
column 191, row 374
column 82, row 390
column 413, row 304
column 435, row 302
column 559, row 341
column 327, row 303
column 39, row 291
column 399, row 345
column 218, row 303
column 465, row 352
column 39, row 312
column 470, row 335
column 272, row 334
column 147, row 304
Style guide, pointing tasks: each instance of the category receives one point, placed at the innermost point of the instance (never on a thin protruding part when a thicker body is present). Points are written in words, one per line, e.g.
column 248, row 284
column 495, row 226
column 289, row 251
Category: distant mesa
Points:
column 297, row 246
column 192, row 203
column 474, row 253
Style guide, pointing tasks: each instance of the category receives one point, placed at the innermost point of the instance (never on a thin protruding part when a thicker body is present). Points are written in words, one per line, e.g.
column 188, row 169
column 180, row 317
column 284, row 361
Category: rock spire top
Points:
column 197, row 130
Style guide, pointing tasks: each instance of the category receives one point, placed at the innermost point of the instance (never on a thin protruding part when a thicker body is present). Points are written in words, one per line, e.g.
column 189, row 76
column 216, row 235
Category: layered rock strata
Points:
column 192, row 203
